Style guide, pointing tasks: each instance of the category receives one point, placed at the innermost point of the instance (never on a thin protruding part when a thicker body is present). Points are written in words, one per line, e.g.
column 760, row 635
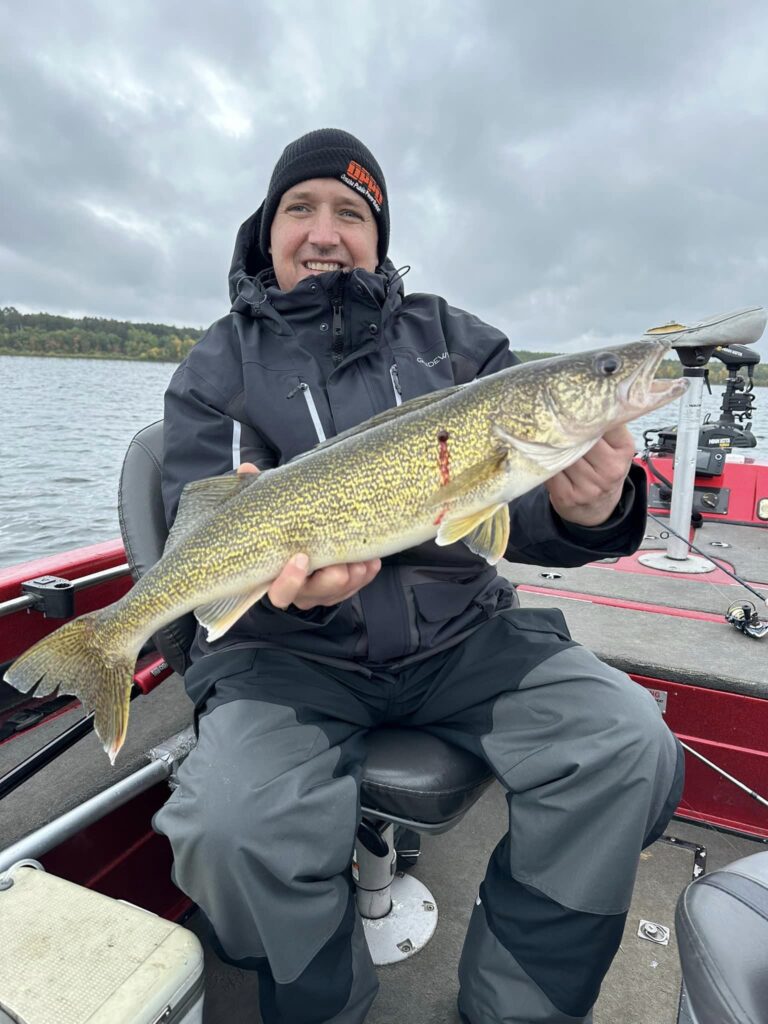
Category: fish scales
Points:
column 444, row 465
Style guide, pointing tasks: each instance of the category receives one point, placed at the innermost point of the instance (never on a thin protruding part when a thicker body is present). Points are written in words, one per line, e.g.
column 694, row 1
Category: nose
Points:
column 323, row 232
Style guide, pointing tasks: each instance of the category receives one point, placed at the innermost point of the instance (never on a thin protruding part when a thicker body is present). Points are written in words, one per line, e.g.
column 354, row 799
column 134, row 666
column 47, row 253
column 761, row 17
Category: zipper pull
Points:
column 395, row 378
column 301, row 386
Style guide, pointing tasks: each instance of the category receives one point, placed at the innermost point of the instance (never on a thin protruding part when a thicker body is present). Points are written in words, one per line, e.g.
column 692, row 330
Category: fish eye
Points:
column 607, row 363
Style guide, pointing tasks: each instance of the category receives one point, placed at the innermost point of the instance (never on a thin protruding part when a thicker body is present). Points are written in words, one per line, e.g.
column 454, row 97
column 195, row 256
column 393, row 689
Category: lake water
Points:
column 65, row 425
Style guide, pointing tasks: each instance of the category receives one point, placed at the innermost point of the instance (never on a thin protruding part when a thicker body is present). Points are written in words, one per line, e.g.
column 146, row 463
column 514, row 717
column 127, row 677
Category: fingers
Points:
column 286, row 587
column 324, row 587
column 248, row 467
column 588, row 491
column 336, row 583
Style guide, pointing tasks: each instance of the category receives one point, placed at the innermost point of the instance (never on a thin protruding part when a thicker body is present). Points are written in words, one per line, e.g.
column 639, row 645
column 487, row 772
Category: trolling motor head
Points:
column 738, row 397
column 733, row 427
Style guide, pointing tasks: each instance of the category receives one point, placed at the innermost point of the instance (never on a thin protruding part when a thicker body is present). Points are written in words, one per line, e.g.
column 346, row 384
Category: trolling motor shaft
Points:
column 695, row 346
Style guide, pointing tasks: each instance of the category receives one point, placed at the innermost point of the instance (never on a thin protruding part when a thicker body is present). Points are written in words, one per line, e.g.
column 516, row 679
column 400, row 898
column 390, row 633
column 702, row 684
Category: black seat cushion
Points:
column 416, row 776
column 722, row 935
column 143, row 526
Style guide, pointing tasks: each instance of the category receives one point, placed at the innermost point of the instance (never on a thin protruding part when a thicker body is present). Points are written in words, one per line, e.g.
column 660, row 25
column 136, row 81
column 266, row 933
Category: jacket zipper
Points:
column 395, row 378
column 304, row 388
column 337, row 346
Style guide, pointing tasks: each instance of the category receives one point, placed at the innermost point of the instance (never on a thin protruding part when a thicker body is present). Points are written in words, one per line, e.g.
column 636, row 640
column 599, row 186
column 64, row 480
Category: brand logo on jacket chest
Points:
column 432, row 362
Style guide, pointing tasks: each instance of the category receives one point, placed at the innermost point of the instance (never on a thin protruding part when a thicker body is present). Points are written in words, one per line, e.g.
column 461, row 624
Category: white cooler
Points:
column 72, row 956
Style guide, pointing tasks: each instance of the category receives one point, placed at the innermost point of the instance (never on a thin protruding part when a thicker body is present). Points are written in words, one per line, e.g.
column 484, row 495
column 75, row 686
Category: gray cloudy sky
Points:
column 571, row 171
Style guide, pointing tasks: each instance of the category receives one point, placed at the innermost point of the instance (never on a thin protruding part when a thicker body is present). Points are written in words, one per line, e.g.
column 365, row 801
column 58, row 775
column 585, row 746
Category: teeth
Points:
column 316, row 265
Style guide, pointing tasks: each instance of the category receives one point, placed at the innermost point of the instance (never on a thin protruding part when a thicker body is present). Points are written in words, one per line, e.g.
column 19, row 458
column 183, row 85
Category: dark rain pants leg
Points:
column 262, row 826
column 592, row 775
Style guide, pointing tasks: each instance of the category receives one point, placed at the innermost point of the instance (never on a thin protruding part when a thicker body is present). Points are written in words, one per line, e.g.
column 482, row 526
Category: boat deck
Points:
column 642, row 986
column 659, row 636
column 658, row 632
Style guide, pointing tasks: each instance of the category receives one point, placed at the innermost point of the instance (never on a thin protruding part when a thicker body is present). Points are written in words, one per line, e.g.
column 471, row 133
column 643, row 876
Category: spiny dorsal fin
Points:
column 485, row 532
column 202, row 497
column 412, row 405
column 219, row 616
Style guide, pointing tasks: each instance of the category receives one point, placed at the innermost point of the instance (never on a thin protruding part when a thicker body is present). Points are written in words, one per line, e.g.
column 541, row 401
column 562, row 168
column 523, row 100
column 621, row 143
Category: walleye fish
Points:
column 441, row 466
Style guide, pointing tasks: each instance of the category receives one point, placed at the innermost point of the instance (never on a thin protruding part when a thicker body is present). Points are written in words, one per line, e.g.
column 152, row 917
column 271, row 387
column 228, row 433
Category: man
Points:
column 320, row 337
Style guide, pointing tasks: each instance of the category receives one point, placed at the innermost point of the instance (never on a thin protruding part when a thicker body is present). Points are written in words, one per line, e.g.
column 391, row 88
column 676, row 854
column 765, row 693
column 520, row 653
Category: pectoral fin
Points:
column 202, row 497
column 479, row 475
column 219, row 616
column 486, row 532
column 548, row 458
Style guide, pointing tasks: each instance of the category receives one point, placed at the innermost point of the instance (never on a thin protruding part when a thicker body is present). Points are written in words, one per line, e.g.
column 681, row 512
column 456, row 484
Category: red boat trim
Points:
column 722, row 824
column 82, row 561
column 760, row 524
column 615, row 602
column 631, row 563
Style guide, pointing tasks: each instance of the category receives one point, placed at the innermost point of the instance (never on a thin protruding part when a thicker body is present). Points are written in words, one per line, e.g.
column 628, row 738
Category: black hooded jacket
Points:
column 284, row 370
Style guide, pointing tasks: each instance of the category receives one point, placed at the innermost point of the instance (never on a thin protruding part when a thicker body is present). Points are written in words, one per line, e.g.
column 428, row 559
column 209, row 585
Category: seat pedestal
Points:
column 398, row 911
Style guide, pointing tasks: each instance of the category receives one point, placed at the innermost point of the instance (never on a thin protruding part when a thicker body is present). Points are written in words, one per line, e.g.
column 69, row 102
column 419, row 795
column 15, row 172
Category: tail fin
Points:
column 74, row 660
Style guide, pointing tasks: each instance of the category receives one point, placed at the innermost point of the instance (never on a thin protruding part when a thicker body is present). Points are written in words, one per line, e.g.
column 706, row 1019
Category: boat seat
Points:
column 722, row 936
column 411, row 778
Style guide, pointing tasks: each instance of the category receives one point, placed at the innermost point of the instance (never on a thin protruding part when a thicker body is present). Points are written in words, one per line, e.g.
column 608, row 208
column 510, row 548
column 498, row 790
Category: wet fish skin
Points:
column 443, row 466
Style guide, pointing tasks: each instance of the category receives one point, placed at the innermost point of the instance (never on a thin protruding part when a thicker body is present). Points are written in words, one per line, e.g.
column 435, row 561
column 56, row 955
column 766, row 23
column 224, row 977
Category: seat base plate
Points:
column 408, row 926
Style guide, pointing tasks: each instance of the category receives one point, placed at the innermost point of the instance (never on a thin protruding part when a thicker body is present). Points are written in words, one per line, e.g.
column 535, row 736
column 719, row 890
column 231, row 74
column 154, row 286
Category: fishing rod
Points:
column 728, row 572
column 743, row 616
column 726, row 775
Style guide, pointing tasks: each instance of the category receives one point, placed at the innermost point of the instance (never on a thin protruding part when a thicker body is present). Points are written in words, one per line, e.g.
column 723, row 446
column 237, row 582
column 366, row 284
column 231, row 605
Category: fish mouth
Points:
column 642, row 392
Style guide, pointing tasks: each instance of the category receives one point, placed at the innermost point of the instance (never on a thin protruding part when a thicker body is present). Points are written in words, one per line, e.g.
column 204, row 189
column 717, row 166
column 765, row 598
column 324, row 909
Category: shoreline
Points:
column 114, row 356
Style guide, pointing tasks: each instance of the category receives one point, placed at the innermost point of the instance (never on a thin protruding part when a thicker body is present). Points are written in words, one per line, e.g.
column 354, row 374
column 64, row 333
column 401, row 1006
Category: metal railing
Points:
column 18, row 604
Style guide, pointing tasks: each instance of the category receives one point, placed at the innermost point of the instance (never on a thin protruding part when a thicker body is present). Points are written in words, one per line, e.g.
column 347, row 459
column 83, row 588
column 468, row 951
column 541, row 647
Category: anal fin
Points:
column 219, row 616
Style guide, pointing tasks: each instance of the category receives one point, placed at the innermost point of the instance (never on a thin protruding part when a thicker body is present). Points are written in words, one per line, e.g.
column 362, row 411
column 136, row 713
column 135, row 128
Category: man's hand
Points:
column 588, row 491
column 326, row 587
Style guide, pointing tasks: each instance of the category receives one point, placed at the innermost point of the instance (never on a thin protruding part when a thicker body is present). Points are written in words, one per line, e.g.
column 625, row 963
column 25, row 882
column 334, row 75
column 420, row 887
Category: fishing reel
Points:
column 743, row 615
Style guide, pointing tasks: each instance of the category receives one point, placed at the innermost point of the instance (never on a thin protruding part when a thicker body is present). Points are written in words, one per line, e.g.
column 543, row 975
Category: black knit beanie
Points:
column 328, row 153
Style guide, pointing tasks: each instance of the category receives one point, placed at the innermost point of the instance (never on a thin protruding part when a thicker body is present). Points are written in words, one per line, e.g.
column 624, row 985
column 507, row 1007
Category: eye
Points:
column 607, row 363
column 297, row 208
column 351, row 213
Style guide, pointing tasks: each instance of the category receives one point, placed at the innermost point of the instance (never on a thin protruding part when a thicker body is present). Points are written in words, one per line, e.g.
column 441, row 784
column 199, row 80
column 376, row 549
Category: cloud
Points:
column 572, row 172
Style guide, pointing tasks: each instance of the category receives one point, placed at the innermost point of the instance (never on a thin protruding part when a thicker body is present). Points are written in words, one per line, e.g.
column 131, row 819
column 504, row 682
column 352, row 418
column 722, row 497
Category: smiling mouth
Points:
column 323, row 266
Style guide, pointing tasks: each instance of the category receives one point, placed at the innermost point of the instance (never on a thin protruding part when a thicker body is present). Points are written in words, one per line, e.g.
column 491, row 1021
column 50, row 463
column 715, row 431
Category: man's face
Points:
column 321, row 225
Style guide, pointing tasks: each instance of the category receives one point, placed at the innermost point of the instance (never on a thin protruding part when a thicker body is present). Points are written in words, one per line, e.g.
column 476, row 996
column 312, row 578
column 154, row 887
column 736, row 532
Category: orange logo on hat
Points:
column 358, row 173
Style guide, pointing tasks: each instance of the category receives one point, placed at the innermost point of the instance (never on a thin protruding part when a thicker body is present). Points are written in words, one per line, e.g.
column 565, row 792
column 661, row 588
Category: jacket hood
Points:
column 251, row 273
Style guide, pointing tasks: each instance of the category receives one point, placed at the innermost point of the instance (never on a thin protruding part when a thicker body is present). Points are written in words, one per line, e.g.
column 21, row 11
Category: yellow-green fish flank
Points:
column 442, row 466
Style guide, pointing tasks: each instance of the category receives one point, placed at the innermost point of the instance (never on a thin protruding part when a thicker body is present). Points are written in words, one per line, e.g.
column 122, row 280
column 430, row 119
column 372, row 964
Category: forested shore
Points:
column 45, row 334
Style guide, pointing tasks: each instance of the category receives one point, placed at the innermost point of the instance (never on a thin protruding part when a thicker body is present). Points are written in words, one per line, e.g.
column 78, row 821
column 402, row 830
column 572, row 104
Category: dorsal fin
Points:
column 412, row 405
column 202, row 497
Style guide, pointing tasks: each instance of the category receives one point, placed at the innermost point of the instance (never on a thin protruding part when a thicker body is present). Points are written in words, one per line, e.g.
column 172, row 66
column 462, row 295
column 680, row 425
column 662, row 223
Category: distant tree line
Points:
column 43, row 334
